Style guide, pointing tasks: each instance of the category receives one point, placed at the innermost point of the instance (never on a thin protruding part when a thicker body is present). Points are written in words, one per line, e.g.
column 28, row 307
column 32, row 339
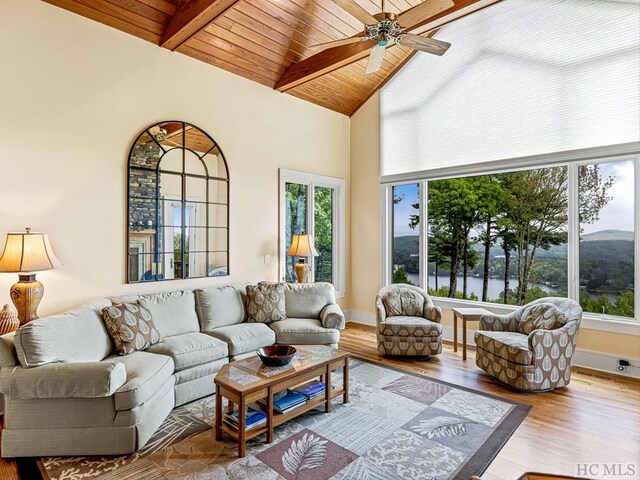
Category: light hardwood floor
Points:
column 596, row 419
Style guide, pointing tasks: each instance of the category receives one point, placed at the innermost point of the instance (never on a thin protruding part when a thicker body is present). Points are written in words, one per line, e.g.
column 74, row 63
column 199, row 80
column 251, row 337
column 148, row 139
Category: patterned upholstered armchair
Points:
column 408, row 322
column 531, row 348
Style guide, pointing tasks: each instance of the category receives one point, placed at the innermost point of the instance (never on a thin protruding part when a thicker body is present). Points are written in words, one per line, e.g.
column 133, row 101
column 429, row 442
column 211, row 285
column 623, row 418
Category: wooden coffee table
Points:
column 466, row 315
column 246, row 381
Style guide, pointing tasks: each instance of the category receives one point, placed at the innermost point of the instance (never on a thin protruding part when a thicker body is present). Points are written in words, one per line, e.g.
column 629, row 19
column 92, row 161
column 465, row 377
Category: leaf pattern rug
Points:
column 398, row 426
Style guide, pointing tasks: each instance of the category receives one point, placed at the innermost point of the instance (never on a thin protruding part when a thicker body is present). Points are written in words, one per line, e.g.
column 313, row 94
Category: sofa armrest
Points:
column 499, row 323
column 64, row 380
column 8, row 356
column 542, row 342
column 332, row 316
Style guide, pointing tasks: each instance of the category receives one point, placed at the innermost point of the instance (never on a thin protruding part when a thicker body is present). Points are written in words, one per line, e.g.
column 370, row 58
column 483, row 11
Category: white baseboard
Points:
column 591, row 359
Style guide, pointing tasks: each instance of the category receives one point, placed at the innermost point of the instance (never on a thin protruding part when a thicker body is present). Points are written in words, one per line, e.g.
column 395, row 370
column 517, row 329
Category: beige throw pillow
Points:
column 545, row 316
column 265, row 302
column 403, row 302
column 131, row 327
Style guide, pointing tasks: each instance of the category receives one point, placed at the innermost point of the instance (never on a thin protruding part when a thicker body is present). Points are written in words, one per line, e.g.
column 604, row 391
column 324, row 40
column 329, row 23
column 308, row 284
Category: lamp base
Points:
column 302, row 271
column 26, row 296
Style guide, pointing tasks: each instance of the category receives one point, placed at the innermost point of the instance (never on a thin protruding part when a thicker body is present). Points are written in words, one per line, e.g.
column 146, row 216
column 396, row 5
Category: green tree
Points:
column 400, row 276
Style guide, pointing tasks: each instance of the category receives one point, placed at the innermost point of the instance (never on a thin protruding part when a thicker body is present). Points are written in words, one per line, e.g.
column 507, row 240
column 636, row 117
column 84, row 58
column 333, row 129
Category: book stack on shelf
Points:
column 311, row 390
column 253, row 418
column 286, row 401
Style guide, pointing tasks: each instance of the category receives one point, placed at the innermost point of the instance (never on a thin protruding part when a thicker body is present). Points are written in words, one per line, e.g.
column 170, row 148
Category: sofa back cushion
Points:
column 77, row 335
column 545, row 316
column 306, row 300
column 403, row 302
column 174, row 313
column 220, row 307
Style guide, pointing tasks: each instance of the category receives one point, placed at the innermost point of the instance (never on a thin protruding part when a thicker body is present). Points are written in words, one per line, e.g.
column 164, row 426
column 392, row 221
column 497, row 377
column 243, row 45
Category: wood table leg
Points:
column 270, row 415
column 242, row 428
column 464, row 339
column 218, row 419
column 455, row 332
column 345, row 381
column 229, row 407
column 327, row 391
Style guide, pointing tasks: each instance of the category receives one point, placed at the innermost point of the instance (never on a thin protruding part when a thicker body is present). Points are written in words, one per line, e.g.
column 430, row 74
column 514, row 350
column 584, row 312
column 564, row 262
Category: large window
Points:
column 314, row 205
column 513, row 237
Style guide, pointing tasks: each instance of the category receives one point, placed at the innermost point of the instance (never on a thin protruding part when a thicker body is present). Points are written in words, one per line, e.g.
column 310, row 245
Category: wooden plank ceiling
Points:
column 266, row 40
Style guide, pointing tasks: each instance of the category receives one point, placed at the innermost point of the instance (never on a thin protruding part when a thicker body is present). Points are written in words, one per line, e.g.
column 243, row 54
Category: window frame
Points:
column 572, row 160
column 312, row 180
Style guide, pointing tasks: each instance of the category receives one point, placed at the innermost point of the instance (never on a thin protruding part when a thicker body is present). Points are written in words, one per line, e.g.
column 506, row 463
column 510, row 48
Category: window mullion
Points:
column 424, row 236
column 311, row 217
column 573, row 227
column 636, row 169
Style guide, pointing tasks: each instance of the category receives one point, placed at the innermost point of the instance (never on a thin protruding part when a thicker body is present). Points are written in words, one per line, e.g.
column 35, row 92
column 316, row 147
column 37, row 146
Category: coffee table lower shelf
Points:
column 265, row 388
column 278, row 418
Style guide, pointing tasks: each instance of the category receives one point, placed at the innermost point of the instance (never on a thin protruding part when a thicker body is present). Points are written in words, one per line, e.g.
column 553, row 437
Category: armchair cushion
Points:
column 510, row 346
column 332, row 316
column 403, row 302
column 68, row 380
column 545, row 316
column 404, row 326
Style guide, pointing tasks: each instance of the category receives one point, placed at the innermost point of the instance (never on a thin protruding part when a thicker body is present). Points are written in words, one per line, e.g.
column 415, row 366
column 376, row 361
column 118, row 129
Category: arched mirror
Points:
column 178, row 205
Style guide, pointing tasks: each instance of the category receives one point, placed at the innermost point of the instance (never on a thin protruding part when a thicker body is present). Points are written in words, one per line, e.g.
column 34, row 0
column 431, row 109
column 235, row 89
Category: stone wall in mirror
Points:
column 178, row 205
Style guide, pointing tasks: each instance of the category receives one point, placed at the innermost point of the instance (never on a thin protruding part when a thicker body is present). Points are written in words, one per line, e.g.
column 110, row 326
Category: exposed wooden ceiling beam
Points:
column 338, row 57
column 192, row 18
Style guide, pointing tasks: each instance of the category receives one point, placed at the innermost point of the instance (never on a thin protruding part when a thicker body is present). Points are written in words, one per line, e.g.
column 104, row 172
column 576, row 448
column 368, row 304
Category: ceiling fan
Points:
column 387, row 27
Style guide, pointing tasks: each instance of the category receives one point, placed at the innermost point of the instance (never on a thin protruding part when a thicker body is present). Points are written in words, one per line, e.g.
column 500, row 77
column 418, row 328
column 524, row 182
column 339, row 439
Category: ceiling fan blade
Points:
column 356, row 11
column 376, row 57
column 423, row 11
column 424, row 44
column 335, row 43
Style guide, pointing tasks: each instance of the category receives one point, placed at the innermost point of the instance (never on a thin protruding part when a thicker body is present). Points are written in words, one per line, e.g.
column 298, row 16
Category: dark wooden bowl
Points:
column 276, row 355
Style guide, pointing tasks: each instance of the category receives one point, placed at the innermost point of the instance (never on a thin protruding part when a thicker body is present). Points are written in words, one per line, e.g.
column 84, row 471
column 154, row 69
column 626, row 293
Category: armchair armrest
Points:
column 500, row 323
column 381, row 312
column 542, row 342
column 433, row 313
column 332, row 316
column 65, row 380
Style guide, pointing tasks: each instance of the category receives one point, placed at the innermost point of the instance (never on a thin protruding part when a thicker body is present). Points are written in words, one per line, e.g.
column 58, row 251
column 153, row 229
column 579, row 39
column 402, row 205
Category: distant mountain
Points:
column 607, row 235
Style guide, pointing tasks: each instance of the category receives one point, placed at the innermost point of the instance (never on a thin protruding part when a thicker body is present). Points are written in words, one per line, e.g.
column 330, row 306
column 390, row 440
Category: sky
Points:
column 616, row 215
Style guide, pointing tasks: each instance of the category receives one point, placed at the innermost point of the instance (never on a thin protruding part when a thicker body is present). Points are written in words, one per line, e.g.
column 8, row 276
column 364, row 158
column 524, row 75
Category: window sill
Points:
column 589, row 321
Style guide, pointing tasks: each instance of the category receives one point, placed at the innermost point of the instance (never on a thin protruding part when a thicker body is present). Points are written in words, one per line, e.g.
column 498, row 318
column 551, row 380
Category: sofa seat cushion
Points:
column 191, row 349
column 146, row 373
column 403, row 326
column 244, row 337
column 510, row 346
column 304, row 331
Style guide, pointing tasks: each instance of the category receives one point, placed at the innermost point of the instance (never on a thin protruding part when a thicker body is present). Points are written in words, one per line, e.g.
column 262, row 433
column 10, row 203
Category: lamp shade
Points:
column 28, row 252
column 302, row 246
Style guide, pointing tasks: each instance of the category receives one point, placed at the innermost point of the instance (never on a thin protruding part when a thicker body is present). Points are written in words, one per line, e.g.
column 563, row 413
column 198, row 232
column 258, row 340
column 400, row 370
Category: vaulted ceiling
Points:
column 268, row 41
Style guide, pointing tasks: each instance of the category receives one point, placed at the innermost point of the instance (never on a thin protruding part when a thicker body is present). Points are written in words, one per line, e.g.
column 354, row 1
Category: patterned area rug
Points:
column 398, row 426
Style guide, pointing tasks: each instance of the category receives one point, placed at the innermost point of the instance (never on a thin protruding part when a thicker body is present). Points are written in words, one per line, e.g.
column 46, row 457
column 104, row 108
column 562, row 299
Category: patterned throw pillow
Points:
column 265, row 302
column 545, row 316
column 130, row 326
column 403, row 302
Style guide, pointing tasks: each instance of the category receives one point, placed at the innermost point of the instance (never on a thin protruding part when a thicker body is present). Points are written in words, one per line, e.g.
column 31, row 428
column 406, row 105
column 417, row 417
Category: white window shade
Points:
column 522, row 78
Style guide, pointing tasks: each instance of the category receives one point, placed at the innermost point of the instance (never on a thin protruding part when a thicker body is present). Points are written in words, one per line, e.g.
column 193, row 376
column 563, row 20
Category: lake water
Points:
column 474, row 284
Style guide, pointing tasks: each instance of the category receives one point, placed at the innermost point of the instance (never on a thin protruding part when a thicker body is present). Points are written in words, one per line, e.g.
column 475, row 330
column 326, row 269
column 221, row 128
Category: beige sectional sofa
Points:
column 67, row 392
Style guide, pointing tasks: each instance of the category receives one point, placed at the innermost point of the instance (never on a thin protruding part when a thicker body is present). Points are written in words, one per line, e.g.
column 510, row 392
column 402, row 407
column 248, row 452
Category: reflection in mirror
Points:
column 178, row 213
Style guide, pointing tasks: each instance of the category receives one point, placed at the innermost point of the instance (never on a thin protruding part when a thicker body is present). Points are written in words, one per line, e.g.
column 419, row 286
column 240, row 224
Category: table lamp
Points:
column 26, row 253
column 301, row 247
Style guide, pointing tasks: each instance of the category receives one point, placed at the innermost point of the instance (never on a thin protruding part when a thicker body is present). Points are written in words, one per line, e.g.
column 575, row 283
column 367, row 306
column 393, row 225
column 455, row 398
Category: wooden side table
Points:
column 466, row 315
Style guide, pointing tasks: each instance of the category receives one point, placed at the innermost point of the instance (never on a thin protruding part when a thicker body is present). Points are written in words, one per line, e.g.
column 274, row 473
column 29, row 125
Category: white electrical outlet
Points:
column 267, row 259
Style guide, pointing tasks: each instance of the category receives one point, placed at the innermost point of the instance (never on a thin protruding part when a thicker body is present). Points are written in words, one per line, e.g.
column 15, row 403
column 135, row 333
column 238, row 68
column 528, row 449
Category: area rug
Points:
column 398, row 426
